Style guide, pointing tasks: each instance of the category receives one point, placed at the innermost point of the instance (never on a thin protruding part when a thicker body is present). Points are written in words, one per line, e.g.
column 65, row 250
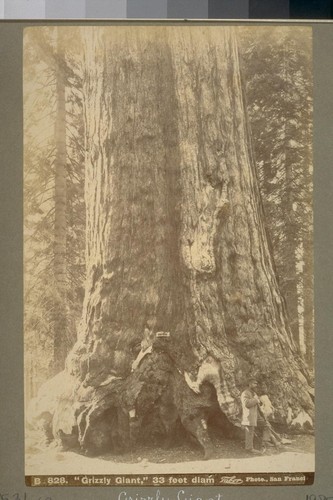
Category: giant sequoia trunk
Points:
column 181, row 301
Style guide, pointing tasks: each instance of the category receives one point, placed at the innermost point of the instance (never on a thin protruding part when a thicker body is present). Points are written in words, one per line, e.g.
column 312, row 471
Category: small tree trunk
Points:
column 308, row 302
column 60, row 226
column 289, row 288
column 289, row 283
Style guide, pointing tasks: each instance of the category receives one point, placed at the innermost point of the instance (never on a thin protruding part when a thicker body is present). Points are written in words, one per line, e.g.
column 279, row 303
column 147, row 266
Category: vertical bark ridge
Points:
column 132, row 256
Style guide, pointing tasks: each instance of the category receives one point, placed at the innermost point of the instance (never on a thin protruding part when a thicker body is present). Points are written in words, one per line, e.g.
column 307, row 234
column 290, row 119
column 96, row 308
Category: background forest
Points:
column 277, row 81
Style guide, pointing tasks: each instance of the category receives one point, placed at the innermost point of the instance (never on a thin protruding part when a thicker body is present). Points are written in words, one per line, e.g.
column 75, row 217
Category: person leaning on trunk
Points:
column 252, row 418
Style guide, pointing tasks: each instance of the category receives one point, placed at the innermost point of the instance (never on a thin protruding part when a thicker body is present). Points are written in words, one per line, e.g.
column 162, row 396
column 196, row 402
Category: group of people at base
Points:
column 255, row 421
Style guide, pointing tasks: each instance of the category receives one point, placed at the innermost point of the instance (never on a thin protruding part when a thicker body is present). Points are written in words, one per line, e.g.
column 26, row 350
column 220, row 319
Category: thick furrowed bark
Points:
column 181, row 300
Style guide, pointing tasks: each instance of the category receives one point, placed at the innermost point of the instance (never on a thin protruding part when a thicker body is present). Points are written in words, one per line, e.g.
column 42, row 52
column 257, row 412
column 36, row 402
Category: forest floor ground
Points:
column 229, row 456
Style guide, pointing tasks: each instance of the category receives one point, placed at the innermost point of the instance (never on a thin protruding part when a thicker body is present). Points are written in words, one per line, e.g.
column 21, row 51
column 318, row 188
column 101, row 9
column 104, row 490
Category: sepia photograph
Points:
column 168, row 255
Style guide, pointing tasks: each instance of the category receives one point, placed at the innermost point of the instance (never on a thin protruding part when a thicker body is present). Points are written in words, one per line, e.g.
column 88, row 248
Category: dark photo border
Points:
column 12, row 484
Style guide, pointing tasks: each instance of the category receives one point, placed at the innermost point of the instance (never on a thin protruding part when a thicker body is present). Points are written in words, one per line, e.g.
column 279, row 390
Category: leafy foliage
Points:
column 277, row 73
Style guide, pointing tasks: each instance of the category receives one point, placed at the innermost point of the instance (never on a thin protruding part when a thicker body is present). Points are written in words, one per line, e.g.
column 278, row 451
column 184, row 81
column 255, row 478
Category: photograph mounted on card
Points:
column 168, row 252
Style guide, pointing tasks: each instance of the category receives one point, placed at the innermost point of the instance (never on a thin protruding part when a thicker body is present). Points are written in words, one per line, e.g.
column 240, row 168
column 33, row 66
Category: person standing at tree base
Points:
column 252, row 418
